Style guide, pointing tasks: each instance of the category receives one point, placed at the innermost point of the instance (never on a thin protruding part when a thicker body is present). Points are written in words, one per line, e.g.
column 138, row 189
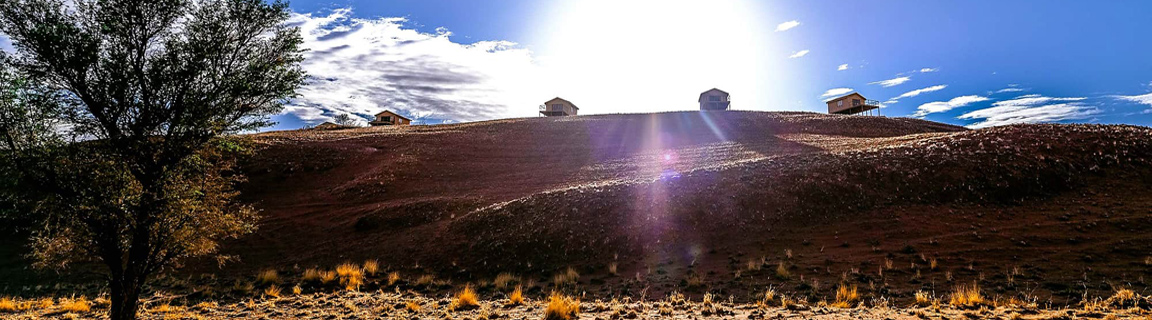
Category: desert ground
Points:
column 688, row 215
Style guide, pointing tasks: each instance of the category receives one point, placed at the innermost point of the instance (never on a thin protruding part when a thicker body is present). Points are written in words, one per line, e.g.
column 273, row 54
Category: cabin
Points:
column 852, row 103
column 714, row 99
column 389, row 118
column 328, row 125
column 558, row 108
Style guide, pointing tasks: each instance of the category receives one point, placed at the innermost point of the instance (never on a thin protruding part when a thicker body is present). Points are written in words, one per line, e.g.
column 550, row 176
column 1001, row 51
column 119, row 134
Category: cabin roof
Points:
column 710, row 90
column 392, row 113
column 562, row 100
column 846, row 96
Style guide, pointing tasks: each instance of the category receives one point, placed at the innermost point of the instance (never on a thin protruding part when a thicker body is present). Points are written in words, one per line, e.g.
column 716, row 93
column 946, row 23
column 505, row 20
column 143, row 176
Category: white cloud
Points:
column 1015, row 113
column 927, row 70
column 835, row 92
column 363, row 66
column 1009, row 90
column 892, row 82
column 942, row 106
column 1141, row 99
column 916, row 92
column 1033, row 100
column 842, row 67
column 787, row 25
column 798, row 54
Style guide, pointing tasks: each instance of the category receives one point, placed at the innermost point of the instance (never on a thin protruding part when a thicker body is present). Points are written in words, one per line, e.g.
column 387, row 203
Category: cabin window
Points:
column 386, row 118
column 557, row 106
column 713, row 98
column 855, row 102
column 840, row 103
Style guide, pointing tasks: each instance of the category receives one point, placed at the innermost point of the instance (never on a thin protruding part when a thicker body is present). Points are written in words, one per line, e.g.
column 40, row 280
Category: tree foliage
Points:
column 119, row 117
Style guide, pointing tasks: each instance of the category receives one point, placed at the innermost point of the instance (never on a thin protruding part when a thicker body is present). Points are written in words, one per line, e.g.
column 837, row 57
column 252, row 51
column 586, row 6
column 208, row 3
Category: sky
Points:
column 973, row 63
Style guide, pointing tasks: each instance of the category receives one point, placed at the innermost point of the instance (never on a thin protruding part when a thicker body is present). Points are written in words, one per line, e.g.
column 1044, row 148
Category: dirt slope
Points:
column 1048, row 211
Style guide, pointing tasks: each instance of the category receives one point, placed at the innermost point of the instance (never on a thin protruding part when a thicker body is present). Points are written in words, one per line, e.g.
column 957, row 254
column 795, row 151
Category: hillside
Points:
column 715, row 202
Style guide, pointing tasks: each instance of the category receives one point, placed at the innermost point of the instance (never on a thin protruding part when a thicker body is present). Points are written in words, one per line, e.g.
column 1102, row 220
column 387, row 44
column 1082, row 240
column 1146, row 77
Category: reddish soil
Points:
column 1060, row 209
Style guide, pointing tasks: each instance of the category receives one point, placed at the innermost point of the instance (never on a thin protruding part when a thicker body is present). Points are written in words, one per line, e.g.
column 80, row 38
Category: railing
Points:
column 874, row 103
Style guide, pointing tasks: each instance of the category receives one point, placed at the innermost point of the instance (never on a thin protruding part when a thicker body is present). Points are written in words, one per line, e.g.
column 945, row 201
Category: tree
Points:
column 137, row 174
column 344, row 119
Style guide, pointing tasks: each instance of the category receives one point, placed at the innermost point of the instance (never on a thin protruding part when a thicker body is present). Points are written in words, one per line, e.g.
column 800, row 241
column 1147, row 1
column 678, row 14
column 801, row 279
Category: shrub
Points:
column 327, row 276
column 782, row 271
column 923, row 299
column 466, row 299
column 561, row 307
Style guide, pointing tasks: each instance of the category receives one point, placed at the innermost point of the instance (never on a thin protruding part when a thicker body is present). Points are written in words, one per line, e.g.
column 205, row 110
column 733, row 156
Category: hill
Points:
column 724, row 202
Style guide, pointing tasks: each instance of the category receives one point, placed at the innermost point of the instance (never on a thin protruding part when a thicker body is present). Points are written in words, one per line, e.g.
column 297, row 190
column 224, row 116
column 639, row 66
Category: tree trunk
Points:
column 125, row 298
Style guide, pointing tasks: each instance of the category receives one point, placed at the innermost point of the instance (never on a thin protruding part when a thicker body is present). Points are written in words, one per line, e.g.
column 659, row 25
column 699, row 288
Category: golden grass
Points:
column 569, row 276
column 695, row 280
column 1123, row 298
column 297, row 290
column 517, row 297
column 932, row 264
column 8, row 305
column 393, row 277
column 767, row 299
column 80, row 305
column 503, row 280
column 561, row 307
column 964, row 296
column 466, row 299
column 327, row 276
column 846, row 297
column 267, row 276
column 371, row 267
column 612, row 268
column 272, row 291
column 311, row 275
column 412, row 306
column 164, row 308
column 782, row 271
column 425, row 280
column 923, row 299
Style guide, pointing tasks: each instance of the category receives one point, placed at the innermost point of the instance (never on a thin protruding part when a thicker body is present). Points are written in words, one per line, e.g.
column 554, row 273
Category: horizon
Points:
column 972, row 63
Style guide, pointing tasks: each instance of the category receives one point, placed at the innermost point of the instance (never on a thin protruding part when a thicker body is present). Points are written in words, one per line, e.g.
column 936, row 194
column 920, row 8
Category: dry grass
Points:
column 561, row 307
column 268, row 276
column 767, row 299
column 1123, row 298
column 612, row 268
column 846, row 297
column 412, row 306
column 79, row 305
column 425, row 280
column 695, row 280
column 782, row 271
column 923, row 299
column 932, row 264
column 272, row 291
column 964, row 296
column 466, row 299
column 327, row 276
column 7, row 305
column 371, row 267
column 517, row 297
column 311, row 275
column 297, row 290
column 393, row 277
column 503, row 280
column 569, row 276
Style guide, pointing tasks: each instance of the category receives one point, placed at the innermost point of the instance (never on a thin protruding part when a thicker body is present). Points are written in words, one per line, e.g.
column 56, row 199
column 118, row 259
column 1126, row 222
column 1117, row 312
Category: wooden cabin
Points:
column 389, row 118
column 852, row 103
column 558, row 108
column 714, row 99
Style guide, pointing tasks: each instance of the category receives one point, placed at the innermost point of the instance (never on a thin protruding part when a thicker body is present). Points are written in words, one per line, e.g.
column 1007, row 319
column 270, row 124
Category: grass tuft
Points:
column 272, row 291
column 393, row 277
column 7, row 305
column 371, row 267
column 569, row 276
column 412, row 306
column 964, row 296
column 782, row 271
column 846, row 297
column 268, row 276
column 503, row 280
column 517, row 297
column 561, row 307
column 80, row 305
column 466, row 299
column 311, row 275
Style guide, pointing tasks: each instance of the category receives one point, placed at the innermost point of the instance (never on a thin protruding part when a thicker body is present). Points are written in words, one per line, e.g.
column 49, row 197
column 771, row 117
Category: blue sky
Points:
column 972, row 63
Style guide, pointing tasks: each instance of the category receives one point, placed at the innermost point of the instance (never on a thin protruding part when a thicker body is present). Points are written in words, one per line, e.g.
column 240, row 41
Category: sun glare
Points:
column 650, row 55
